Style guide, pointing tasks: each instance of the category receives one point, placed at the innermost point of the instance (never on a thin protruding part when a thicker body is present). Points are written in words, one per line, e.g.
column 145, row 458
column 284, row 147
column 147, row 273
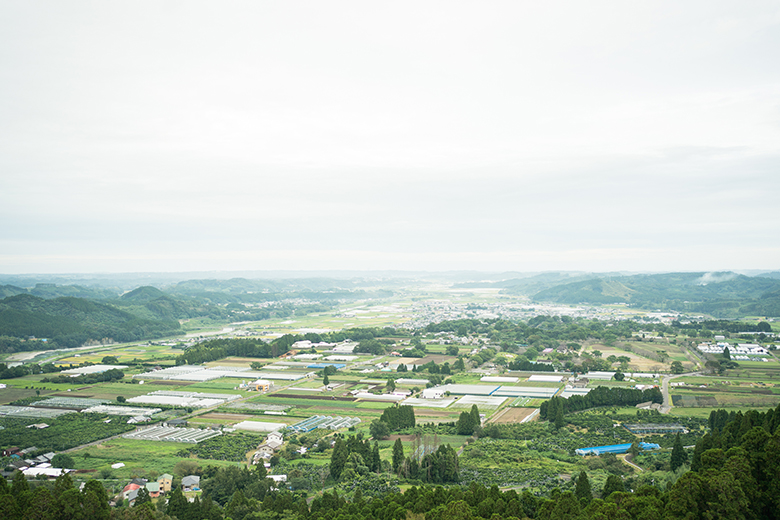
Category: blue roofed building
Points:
column 615, row 448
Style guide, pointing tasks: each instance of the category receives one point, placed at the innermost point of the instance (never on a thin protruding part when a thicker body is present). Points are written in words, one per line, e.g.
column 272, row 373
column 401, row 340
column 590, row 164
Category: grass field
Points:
column 141, row 458
column 11, row 394
column 124, row 353
column 636, row 363
column 527, row 402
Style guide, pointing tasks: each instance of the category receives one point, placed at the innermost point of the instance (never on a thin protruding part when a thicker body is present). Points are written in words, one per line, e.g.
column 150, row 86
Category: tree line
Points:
column 599, row 396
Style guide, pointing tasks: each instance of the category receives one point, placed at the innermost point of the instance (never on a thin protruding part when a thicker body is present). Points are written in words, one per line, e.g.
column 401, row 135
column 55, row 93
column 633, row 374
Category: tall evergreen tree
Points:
column 94, row 501
column 177, row 504
column 476, row 421
column 613, row 483
column 339, row 458
column 679, row 457
column 559, row 422
column 143, row 497
column 376, row 460
column 582, row 490
column 465, row 425
column 398, row 455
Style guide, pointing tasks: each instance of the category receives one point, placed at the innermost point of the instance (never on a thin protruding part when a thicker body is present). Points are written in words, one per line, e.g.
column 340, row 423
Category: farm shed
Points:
column 170, row 434
column 436, row 392
column 324, row 364
column 262, row 385
column 494, row 379
column 545, row 378
column 258, row 426
column 91, row 369
column 603, row 376
column 410, row 382
column 537, row 392
column 469, row 389
column 324, row 421
column 575, row 391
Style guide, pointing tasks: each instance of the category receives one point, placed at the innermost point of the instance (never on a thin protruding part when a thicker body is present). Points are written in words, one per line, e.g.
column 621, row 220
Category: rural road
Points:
column 625, row 459
column 667, row 404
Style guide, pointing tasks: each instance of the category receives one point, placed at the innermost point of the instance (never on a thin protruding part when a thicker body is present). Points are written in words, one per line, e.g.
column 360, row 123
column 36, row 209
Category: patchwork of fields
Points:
column 359, row 390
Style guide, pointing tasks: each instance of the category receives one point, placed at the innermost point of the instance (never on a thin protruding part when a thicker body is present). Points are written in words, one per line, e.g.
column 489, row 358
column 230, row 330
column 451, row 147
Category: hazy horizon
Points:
column 436, row 136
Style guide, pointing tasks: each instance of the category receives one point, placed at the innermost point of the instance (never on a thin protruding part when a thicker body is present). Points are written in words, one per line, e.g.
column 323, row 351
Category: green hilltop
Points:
column 724, row 294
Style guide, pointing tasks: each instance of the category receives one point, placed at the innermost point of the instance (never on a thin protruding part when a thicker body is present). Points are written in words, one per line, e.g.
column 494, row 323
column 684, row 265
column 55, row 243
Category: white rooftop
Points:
column 545, row 379
column 493, row 379
column 92, row 369
column 258, row 426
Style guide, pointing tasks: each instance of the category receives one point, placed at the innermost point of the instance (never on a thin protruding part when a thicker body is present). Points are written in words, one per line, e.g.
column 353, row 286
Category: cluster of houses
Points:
column 266, row 450
column 159, row 487
column 31, row 466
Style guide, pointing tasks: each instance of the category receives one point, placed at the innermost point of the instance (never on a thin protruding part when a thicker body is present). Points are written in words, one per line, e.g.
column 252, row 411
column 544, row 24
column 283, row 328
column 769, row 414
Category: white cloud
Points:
column 394, row 130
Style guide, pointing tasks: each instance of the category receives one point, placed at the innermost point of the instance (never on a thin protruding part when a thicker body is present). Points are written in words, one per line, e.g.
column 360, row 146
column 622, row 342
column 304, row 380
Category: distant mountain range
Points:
column 70, row 315
column 721, row 294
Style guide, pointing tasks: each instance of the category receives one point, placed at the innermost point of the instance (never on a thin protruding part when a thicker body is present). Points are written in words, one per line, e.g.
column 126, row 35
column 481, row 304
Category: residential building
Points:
column 165, row 481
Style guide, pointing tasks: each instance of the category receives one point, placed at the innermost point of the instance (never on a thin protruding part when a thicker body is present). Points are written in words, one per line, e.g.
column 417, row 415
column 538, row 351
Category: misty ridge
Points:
column 72, row 315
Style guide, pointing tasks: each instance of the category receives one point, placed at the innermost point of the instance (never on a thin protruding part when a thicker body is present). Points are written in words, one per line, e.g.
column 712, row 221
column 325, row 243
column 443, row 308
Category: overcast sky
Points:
column 175, row 136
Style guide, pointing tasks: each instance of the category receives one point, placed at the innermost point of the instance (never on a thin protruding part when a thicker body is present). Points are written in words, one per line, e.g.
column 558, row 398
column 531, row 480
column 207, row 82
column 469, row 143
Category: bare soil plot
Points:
column 404, row 438
column 406, row 361
column 436, row 358
column 166, row 382
column 512, row 415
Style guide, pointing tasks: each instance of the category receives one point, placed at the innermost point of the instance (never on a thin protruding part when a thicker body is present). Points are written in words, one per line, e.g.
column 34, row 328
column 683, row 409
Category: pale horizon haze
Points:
column 490, row 136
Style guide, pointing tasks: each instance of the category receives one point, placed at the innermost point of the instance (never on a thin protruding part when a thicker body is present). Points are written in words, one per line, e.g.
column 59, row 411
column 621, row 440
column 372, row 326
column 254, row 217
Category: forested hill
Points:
column 724, row 295
column 242, row 290
column 51, row 290
column 148, row 312
column 70, row 322
column 532, row 284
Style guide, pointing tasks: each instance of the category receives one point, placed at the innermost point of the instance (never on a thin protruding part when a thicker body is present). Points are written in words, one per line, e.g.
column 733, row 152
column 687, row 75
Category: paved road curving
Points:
column 624, row 458
column 667, row 404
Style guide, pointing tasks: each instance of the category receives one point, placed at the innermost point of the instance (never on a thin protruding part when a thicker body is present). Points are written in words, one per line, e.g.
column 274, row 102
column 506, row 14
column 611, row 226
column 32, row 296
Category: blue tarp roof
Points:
column 323, row 365
column 615, row 448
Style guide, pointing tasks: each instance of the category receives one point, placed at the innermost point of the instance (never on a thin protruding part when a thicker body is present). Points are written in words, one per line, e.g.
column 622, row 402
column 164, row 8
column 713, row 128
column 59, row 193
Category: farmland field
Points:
column 140, row 457
column 512, row 415
column 507, row 457
column 636, row 363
